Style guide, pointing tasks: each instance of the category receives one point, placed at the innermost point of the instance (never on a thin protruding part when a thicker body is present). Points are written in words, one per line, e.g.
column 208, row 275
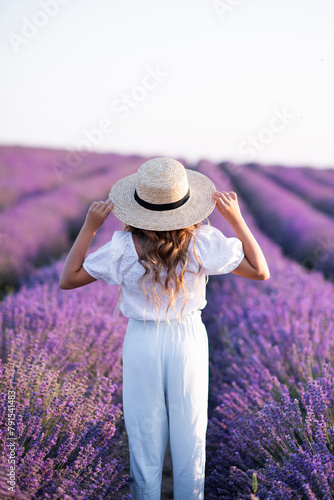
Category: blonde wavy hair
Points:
column 165, row 250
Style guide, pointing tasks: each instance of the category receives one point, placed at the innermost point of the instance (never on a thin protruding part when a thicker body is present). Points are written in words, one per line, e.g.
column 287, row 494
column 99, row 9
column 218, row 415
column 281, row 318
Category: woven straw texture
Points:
column 160, row 181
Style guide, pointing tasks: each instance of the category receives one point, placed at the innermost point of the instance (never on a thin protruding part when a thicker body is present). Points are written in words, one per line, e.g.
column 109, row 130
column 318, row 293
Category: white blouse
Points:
column 117, row 263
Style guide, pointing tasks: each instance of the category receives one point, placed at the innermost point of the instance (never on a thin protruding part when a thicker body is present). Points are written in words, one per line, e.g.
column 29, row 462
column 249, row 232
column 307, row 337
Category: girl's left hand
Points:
column 97, row 214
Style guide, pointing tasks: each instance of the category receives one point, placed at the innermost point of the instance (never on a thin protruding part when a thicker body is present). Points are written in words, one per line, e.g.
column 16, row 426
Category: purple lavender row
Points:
column 323, row 175
column 316, row 193
column 303, row 232
column 26, row 172
column 39, row 228
column 271, row 403
column 63, row 360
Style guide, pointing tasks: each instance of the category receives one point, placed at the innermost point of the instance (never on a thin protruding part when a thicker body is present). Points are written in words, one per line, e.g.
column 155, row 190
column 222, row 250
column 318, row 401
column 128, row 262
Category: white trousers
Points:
column 165, row 395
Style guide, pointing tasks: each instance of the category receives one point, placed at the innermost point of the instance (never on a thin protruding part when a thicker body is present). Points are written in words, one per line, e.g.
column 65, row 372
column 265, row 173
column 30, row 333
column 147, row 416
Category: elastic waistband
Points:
column 196, row 313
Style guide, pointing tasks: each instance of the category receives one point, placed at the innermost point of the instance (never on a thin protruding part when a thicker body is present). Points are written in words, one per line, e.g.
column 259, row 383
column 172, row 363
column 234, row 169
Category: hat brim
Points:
column 199, row 205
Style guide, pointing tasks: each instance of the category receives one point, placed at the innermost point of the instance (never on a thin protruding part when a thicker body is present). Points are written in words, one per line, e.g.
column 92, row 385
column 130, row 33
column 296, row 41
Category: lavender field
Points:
column 271, row 400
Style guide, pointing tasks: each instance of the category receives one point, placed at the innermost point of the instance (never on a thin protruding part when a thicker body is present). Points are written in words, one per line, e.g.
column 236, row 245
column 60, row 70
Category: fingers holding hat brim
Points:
column 199, row 205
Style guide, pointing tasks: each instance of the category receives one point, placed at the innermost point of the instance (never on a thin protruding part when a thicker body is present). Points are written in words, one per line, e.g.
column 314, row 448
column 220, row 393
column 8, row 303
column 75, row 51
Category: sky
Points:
column 225, row 80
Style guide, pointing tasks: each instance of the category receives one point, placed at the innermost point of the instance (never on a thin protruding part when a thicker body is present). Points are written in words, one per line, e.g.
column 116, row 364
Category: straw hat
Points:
column 163, row 195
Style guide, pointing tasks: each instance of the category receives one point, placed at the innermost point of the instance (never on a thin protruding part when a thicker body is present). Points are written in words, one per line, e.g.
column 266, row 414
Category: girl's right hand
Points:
column 97, row 214
column 227, row 205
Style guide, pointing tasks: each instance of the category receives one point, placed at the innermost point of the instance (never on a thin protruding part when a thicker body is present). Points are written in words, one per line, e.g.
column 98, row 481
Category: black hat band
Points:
column 163, row 206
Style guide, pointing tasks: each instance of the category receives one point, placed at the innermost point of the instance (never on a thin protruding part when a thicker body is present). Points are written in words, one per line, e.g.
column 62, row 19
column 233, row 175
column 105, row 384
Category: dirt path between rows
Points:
column 167, row 477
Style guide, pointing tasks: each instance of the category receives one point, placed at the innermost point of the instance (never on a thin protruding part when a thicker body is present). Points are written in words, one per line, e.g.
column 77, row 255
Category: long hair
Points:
column 166, row 250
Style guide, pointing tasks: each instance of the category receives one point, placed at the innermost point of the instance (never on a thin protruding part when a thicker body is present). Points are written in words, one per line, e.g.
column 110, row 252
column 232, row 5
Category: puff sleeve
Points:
column 105, row 263
column 218, row 254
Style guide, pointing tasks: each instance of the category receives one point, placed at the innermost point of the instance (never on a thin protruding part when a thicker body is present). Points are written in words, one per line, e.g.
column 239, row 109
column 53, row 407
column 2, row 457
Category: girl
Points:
column 161, row 261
